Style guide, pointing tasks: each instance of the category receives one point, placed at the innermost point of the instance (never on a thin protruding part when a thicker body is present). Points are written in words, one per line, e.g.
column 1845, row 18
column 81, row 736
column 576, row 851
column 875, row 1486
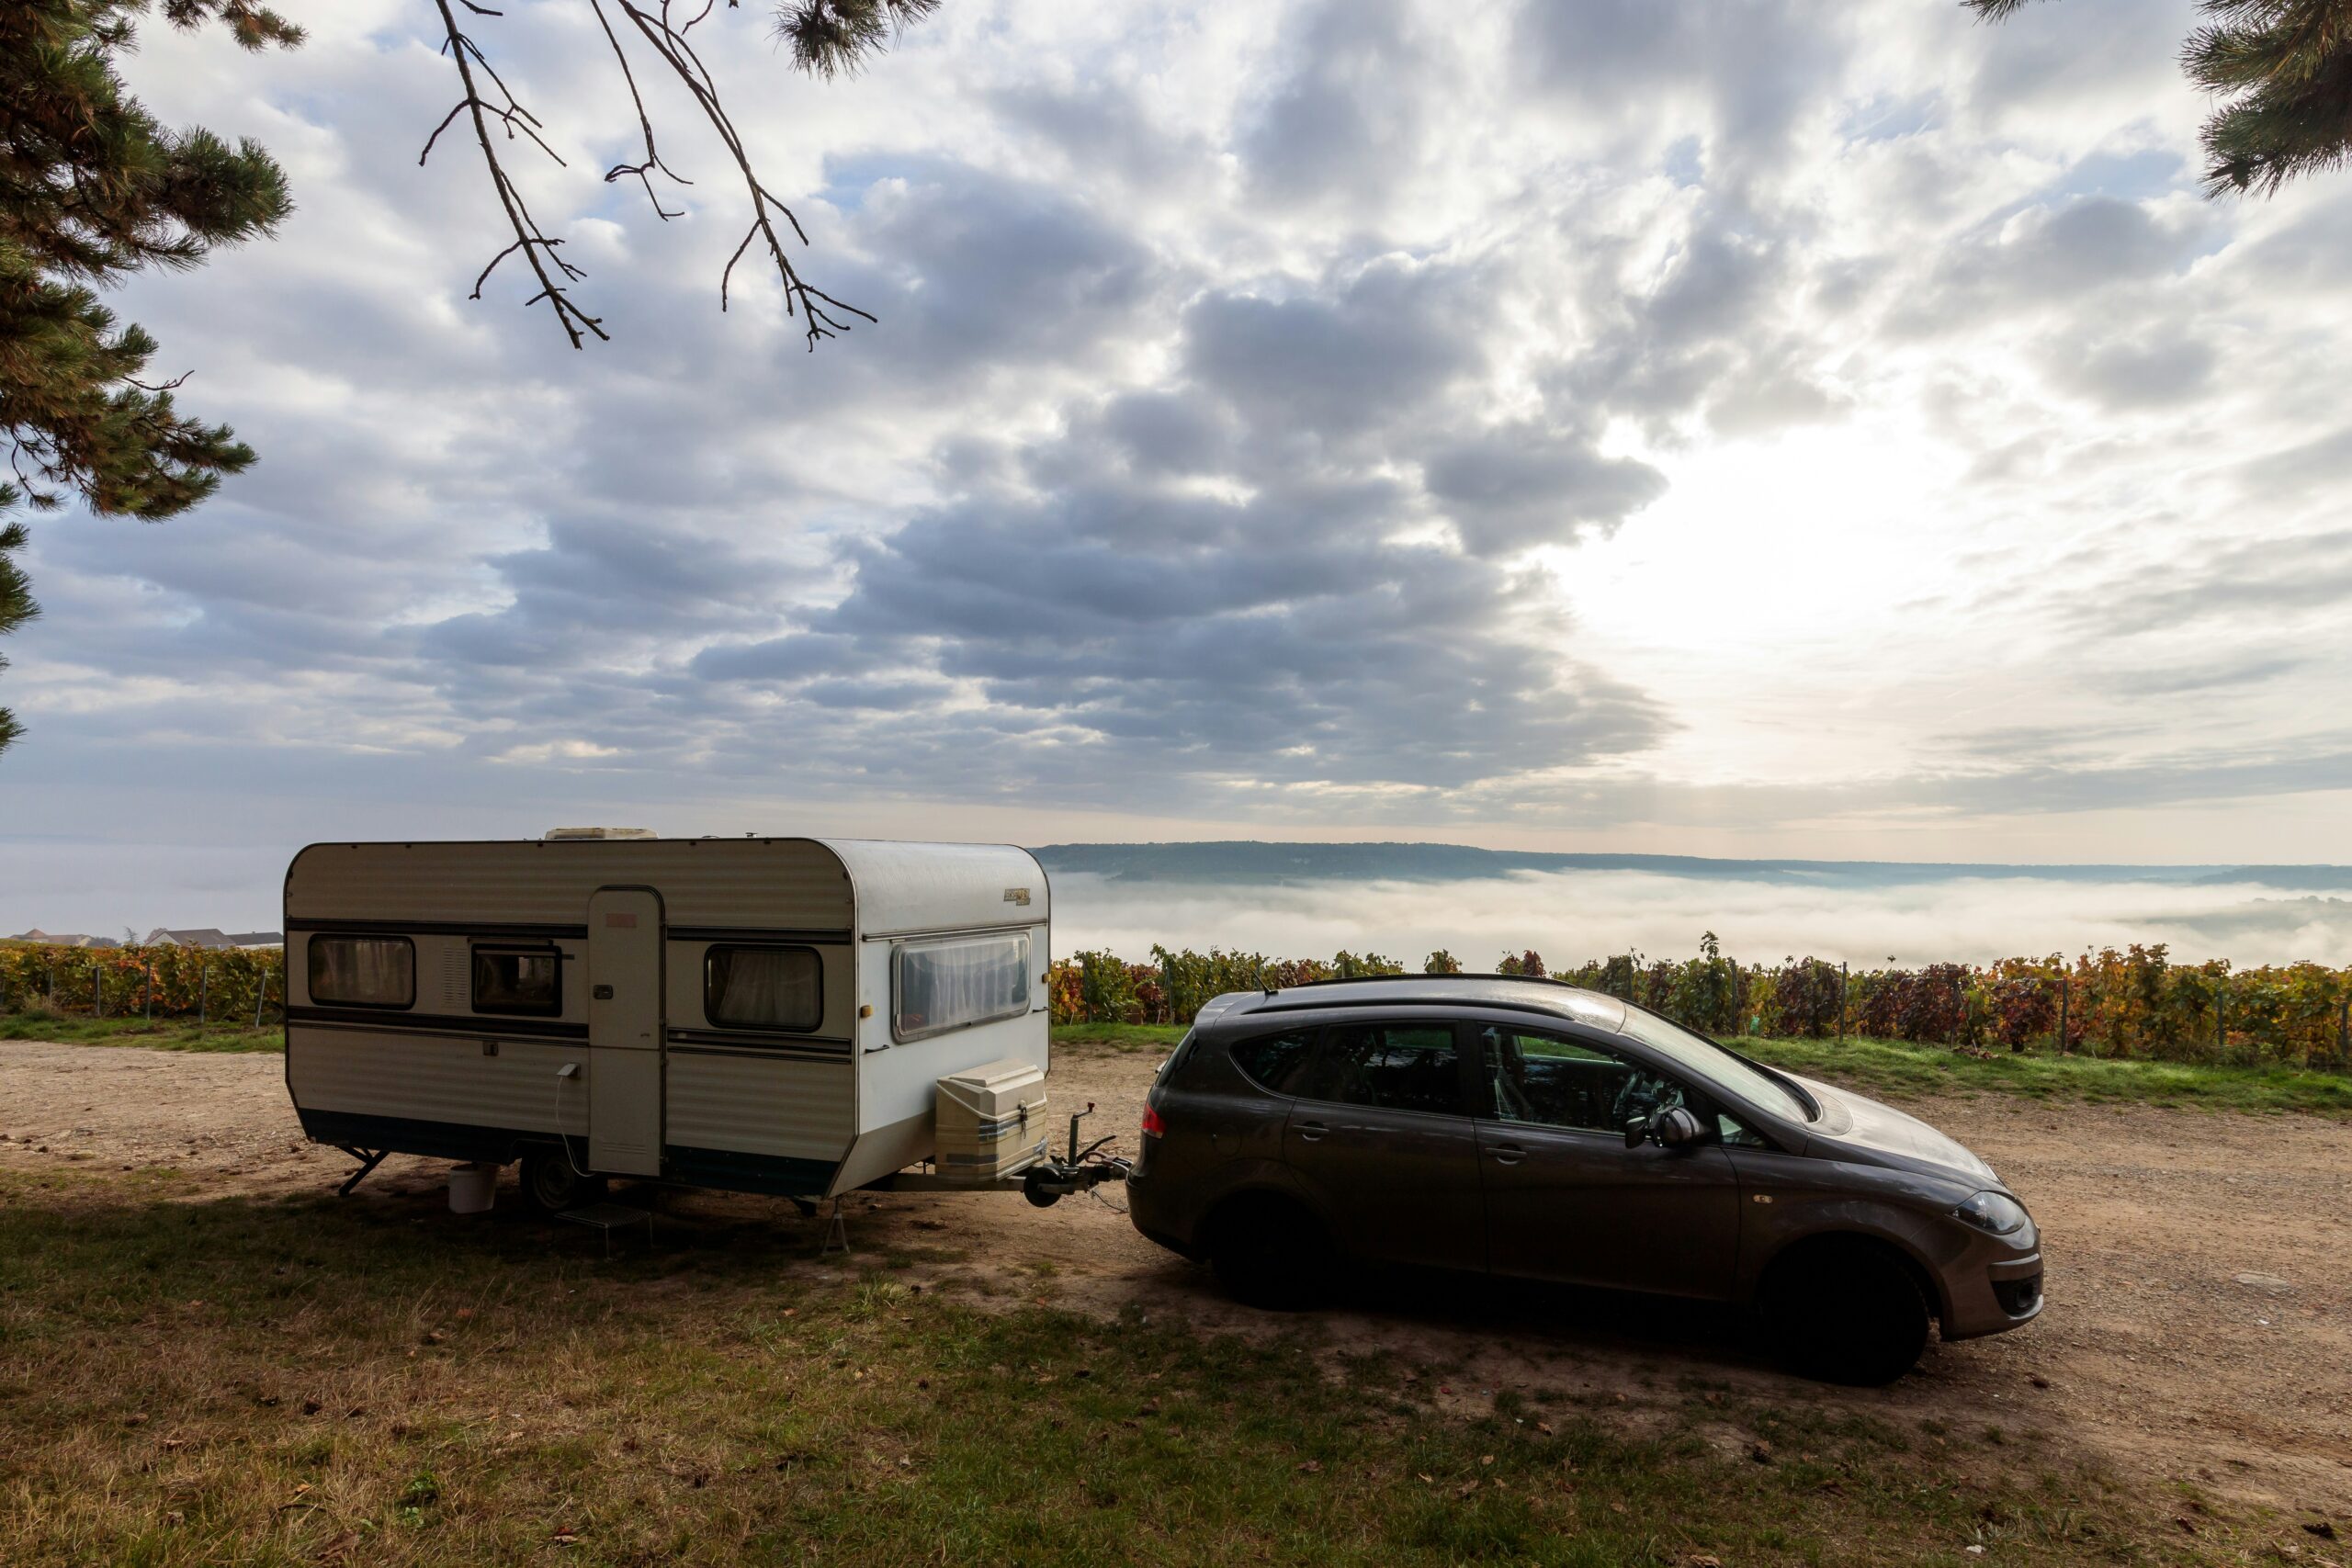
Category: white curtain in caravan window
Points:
column 362, row 971
column 763, row 987
column 951, row 984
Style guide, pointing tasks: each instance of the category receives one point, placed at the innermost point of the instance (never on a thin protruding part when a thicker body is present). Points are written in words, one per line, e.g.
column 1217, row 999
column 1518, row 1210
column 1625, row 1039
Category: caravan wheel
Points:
column 550, row 1185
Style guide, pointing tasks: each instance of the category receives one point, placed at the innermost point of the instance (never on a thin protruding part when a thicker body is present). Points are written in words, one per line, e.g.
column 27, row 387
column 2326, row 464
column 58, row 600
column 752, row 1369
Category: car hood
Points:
column 1851, row 1125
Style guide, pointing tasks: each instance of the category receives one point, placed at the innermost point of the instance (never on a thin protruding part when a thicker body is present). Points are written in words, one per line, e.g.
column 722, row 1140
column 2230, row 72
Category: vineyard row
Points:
column 2133, row 1003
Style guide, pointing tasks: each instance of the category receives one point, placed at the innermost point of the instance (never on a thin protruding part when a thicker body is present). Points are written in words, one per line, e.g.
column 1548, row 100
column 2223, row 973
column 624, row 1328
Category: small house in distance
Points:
column 55, row 939
column 212, row 937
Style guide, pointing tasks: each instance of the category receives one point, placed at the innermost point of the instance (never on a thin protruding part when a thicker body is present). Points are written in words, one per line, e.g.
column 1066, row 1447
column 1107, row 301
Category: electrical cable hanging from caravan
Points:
column 561, row 1134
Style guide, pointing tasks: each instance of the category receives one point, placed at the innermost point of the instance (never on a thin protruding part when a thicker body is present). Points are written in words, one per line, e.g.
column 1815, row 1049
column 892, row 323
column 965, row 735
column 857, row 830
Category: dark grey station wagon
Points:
column 1528, row 1128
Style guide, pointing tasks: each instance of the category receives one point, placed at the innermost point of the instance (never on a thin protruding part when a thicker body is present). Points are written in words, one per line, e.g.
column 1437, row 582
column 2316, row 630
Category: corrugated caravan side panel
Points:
column 769, row 884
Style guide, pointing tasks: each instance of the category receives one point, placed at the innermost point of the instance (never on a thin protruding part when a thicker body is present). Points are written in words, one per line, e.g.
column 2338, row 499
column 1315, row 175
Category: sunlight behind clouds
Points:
column 1837, row 427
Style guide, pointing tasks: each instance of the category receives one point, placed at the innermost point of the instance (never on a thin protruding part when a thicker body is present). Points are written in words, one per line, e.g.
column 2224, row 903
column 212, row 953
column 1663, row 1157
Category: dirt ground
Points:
column 2198, row 1331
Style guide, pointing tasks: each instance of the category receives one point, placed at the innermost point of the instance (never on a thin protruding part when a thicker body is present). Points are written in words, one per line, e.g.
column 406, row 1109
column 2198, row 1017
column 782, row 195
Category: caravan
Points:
column 764, row 1014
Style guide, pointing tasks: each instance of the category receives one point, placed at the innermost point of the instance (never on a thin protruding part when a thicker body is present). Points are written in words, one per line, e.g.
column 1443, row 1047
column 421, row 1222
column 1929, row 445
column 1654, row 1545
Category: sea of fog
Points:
column 1571, row 916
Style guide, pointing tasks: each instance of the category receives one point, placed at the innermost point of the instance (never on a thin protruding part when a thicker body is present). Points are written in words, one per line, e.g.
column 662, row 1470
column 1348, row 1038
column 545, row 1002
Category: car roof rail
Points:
column 1458, row 975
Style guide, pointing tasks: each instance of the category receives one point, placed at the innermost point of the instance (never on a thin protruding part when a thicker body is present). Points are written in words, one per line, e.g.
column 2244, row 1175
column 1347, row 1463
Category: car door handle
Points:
column 1508, row 1153
column 1311, row 1131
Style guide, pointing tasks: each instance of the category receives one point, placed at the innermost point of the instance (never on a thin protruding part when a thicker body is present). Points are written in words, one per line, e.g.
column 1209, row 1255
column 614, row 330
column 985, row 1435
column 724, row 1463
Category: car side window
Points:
column 1737, row 1133
column 1394, row 1066
column 1548, row 1080
column 1275, row 1062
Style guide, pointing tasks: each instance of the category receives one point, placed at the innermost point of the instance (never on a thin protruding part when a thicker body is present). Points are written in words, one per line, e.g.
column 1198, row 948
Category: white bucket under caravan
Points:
column 990, row 1121
column 472, row 1189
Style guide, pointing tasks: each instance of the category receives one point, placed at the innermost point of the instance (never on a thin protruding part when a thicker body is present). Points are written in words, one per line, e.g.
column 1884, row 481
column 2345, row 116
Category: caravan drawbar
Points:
column 761, row 1014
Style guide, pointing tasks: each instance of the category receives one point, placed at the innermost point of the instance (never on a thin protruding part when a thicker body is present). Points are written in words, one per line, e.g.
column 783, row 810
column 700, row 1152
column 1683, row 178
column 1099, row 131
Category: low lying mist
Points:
column 1570, row 917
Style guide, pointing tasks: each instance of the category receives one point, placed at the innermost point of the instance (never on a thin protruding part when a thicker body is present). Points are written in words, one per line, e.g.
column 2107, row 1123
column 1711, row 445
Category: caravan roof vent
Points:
column 555, row 833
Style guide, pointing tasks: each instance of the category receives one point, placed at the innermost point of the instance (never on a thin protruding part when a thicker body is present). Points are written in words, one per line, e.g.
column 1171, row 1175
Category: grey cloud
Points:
column 1509, row 489
column 2275, row 578
column 1391, row 341
column 797, row 655
column 2130, row 373
column 1346, row 122
column 1001, row 264
column 1164, row 432
column 1276, row 638
column 2046, row 256
column 2176, row 680
column 1756, row 65
column 1715, row 339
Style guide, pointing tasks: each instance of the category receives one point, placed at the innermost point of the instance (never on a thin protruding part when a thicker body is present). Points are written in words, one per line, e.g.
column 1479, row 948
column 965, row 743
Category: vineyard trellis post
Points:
column 203, row 989
column 1842, row 1001
column 261, row 995
column 52, row 985
column 2065, row 986
column 151, row 990
column 2343, row 1031
column 97, row 989
column 2220, row 1015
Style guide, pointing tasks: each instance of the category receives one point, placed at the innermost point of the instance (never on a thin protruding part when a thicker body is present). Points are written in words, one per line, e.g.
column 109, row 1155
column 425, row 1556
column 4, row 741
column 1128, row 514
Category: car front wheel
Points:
column 1846, row 1315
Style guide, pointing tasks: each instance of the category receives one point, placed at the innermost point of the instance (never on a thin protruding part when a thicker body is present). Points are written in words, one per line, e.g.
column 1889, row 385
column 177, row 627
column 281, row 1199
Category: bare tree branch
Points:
column 828, row 36
column 821, row 315
column 529, row 238
column 645, row 123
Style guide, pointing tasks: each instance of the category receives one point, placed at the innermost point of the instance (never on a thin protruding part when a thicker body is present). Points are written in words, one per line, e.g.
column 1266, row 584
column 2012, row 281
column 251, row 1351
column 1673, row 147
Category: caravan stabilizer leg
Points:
column 367, row 1162
column 836, row 1234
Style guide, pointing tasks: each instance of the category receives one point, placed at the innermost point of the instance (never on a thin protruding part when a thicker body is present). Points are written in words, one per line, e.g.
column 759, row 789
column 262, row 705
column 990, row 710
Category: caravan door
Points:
column 625, row 1030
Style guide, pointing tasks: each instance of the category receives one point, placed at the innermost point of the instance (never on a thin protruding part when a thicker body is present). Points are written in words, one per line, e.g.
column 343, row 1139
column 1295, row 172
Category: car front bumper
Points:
column 1993, row 1293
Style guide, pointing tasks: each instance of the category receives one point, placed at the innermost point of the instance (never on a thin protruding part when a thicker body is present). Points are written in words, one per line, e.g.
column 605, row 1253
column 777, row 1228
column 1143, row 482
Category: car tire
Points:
column 1270, row 1254
column 1852, row 1315
column 552, row 1184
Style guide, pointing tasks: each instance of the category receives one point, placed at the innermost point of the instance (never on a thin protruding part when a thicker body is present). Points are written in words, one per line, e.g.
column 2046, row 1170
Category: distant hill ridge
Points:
column 1251, row 861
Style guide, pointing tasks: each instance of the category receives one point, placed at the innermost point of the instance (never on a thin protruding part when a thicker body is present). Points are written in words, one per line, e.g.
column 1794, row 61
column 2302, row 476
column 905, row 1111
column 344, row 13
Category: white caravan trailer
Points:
column 770, row 1015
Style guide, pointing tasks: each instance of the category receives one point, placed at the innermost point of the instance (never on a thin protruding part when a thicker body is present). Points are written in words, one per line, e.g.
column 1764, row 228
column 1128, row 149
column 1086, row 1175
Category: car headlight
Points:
column 1995, row 1213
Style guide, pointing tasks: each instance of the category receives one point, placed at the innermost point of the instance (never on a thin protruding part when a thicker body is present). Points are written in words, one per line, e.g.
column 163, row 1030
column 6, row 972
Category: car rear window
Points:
column 1276, row 1062
column 1395, row 1067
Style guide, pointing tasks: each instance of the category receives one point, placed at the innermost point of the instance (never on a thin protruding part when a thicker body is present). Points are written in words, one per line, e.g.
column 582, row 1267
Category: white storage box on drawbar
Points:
column 990, row 1121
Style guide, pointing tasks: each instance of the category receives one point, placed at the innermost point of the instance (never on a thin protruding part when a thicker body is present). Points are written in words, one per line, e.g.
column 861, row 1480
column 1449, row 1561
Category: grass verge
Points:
column 163, row 1035
column 320, row 1381
column 1894, row 1069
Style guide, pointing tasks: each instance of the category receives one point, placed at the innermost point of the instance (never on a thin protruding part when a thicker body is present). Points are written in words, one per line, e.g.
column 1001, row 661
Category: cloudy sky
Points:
column 1745, row 427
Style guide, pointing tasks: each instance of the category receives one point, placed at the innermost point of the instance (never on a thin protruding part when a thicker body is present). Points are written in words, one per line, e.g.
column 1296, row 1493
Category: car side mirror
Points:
column 1675, row 1128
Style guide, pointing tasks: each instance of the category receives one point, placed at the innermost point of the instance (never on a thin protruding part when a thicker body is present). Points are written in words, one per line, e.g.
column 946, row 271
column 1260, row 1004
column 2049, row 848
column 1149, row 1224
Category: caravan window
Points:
column 941, row 986
column 763, row 987
column 363, row 971
column 525, row 980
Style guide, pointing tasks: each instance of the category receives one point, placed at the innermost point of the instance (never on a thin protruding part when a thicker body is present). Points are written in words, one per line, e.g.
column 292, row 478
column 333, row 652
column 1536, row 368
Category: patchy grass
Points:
column 1160, row 1038
column 163, row 1035
column 1893, row 1069
column 193, row 1382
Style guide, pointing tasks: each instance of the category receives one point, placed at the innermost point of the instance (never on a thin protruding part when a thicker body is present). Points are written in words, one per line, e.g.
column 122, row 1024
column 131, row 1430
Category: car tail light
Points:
column 1153, row 1127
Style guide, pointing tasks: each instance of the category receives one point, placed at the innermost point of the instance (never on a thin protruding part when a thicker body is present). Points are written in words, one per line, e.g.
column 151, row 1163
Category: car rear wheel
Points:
column 1849, row 1314
column 1270, row 1254
column 551, row 1184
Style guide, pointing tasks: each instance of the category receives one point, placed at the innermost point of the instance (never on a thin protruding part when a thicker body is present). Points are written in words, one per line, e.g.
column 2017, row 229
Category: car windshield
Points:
column 1713, row 1063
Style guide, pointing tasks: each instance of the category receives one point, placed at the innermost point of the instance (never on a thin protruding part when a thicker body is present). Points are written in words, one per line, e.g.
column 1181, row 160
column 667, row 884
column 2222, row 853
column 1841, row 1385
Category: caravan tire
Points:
column 551, row 1185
